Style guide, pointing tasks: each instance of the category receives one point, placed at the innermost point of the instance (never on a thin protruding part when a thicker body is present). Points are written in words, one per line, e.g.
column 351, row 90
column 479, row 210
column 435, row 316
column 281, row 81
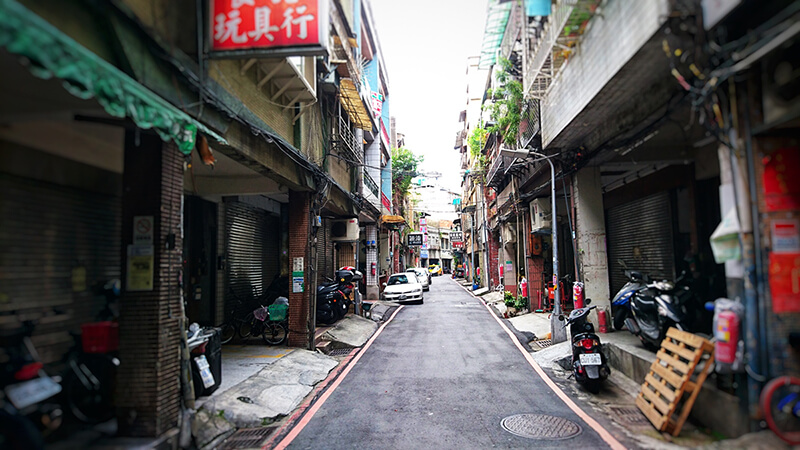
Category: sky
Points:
column 425, row 45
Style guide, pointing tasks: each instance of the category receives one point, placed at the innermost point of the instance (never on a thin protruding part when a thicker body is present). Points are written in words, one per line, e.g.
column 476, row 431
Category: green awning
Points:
column 51, row 53
column 496, row 20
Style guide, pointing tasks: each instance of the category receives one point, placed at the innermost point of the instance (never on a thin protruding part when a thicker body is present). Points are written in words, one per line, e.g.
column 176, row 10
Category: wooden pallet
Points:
column 676, row 376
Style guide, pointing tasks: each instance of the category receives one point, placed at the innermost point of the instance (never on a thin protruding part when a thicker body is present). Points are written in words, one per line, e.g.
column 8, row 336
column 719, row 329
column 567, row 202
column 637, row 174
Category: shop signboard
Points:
column 415, row 239
column 264, row 28
column 456, row 236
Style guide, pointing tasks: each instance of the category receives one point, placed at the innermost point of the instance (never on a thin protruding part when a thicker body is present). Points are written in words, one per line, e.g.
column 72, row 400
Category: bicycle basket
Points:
column 261, row 313
column 278, row 312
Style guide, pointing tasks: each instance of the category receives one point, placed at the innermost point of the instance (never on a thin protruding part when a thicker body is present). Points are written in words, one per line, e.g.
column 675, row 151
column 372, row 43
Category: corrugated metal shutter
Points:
column 253, row 248
column 640, row 234
column 49, row 234
column 324, row 251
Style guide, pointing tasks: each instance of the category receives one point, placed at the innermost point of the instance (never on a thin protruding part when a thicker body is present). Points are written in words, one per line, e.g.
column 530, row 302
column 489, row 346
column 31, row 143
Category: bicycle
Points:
column 236, row 324
column 780, row 403
column 271, row 318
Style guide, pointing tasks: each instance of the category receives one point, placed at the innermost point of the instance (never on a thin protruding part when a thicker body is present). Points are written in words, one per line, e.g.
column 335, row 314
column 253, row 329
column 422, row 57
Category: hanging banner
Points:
column 268, row 27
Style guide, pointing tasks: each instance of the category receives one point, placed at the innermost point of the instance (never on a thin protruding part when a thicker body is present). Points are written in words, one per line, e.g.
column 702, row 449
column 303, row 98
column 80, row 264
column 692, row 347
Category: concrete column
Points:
column 591, row 233
column 151, row 307
column 299, row 326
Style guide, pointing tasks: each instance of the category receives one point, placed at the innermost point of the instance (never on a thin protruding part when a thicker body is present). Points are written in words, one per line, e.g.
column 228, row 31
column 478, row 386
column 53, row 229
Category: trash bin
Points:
column 214, row 357
column 212, row 350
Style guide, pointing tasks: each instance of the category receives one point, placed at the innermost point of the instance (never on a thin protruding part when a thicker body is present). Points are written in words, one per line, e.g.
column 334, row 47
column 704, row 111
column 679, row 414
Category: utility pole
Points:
column 557, row 331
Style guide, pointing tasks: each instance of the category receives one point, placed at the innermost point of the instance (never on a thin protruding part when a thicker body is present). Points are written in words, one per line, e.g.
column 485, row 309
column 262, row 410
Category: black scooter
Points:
column 332, row 302
column 29, row 409
column 655, row 308
column 589, row 364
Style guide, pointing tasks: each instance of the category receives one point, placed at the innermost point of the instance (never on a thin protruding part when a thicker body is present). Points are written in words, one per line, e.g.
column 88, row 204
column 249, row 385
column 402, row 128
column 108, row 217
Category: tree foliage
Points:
column 404, row 168
column 506, row 109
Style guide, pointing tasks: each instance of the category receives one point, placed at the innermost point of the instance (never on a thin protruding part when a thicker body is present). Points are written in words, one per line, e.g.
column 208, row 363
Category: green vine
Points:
column 506, row 109
column 476, row 141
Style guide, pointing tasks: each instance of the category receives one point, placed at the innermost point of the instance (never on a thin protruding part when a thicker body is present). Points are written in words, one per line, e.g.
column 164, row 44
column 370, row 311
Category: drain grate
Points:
column 544, row 343
column 628, row 415
column 343, row 351
column 247, row 438
column 540, row 426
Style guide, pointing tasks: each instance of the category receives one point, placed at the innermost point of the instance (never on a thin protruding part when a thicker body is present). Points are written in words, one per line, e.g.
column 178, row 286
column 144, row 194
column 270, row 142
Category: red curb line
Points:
column 599, row 429
column 304, row 406
column 298, row 427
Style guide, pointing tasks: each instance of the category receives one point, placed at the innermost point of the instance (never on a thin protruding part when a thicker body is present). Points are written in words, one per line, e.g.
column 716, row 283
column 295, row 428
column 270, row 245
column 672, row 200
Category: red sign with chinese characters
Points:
column 782, row 180
column 266, row 24
column 784, row 282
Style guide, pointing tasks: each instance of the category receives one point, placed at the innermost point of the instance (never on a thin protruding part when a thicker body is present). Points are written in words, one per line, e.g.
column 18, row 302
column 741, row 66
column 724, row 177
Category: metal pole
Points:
column 557, row 332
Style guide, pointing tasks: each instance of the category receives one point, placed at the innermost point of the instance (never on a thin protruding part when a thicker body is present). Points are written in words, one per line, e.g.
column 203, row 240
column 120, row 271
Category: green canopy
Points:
column 51, row 53
column 496, row 20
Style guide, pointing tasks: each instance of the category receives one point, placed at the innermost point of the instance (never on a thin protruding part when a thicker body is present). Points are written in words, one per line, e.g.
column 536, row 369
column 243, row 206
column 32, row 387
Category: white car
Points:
column 402, row 288
column 423, row 275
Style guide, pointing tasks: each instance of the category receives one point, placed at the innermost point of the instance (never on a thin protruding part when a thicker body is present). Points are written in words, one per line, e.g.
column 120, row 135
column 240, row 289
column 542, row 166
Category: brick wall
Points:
column 148, row 387
column 299, row 204
column 494, row 250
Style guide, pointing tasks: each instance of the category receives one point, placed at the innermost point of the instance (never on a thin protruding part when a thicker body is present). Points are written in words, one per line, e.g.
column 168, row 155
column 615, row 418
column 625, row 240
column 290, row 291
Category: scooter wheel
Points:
column 620, row 315
column 593, row 386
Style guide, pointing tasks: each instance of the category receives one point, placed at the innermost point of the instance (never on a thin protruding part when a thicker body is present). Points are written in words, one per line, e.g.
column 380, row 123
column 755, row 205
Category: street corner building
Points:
column 202, row 153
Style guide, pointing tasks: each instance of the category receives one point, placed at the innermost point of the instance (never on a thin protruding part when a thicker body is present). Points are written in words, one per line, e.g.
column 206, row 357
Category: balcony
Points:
column 559, row 36
column 346, row 143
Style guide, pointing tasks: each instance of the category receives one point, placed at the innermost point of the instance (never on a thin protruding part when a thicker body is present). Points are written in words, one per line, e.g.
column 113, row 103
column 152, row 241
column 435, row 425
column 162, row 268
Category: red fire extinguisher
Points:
column 727, row 335
column 523, row 287
column 373, row 268
column 577, row 294
column 602, row 320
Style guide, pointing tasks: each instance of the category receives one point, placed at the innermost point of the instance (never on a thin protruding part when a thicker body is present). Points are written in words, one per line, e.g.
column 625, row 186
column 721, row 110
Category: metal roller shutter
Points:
column 253, row 249
column 640, row 234
column 58, row 243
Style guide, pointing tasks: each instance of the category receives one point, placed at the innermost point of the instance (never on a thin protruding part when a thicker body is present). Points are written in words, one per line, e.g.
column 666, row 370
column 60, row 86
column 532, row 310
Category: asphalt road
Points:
column 441, row 375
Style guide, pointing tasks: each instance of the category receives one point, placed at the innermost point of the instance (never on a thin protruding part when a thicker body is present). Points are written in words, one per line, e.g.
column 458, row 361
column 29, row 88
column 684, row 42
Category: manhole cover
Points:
column 540, row 426
column 626, row 415
column 343, row 351
column 247, row 438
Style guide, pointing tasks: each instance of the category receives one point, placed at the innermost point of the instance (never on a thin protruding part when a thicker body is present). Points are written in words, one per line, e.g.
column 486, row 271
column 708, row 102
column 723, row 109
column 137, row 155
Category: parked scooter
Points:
column 28, row 406
column 655, row 308
column 589, row 365
column 332, row 301
column 621, row 305
column 348, row 288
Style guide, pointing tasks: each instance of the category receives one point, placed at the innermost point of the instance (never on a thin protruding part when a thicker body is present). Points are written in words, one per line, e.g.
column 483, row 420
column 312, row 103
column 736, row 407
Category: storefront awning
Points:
column 351, row 102
column 51, row 53
column 387, row 218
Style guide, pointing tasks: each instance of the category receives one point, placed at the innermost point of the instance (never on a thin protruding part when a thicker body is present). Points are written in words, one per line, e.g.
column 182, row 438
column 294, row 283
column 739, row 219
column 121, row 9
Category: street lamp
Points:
column 557, row 331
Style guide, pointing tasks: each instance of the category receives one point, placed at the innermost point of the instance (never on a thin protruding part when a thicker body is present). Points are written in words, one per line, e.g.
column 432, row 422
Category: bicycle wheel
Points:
column 274, row 333
column 780, row 403
column 228, row 332
column 90, row 388
column 246, row 326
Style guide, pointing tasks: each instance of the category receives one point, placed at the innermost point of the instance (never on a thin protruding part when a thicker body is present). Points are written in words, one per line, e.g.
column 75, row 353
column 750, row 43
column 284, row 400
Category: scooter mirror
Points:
column 588, row 301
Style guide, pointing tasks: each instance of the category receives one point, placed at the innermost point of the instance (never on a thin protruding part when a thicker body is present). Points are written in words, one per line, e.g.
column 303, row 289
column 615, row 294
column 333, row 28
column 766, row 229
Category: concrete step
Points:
column 714, row 408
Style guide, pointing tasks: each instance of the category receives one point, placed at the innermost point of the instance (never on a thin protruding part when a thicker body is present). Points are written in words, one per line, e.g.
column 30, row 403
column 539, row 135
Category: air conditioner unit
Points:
column 509, row 235
column 345, row 230
column 541, row 214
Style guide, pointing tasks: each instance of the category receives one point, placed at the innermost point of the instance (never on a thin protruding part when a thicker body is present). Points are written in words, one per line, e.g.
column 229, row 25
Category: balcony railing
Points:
column 371, row 186
column 558, row 36
column 347, row 143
